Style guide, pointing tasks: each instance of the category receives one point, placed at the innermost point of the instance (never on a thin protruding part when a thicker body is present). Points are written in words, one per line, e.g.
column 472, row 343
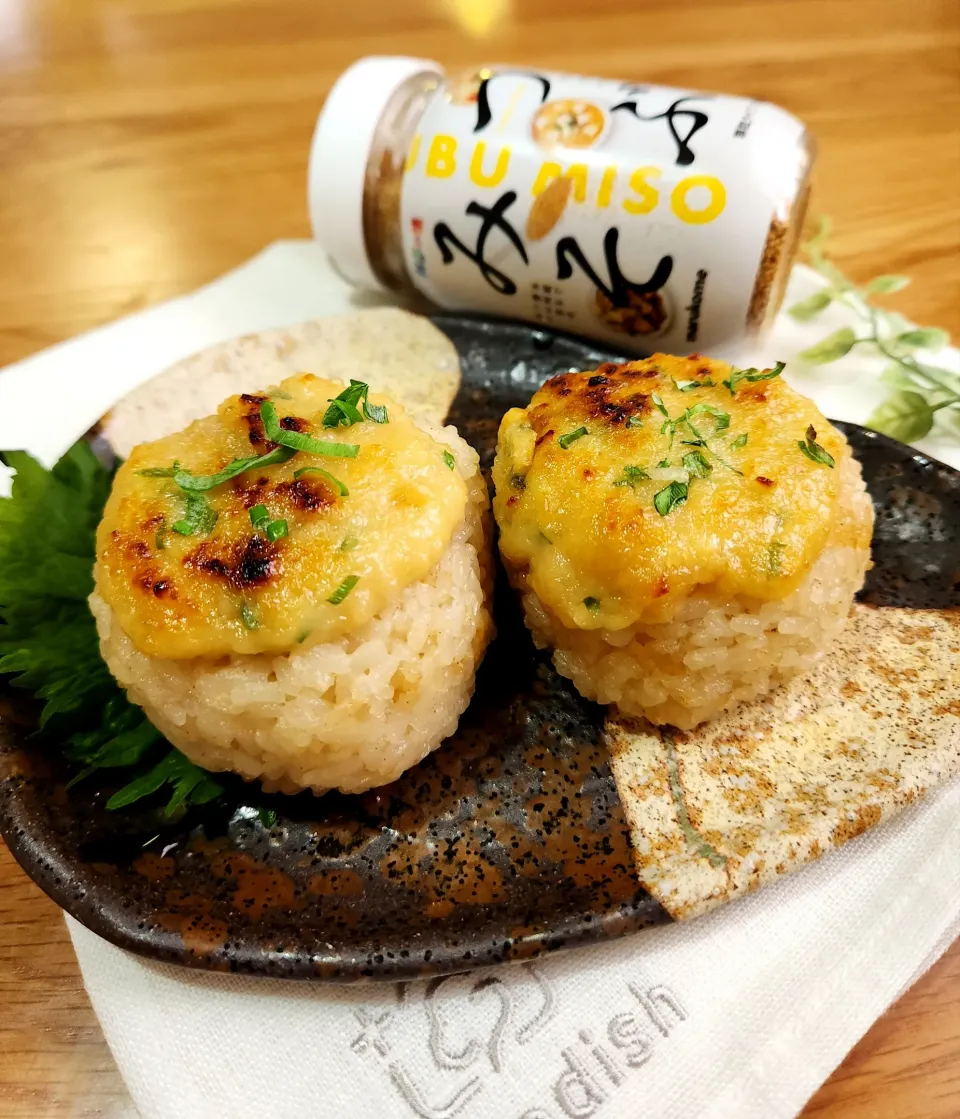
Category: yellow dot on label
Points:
column 713, row 208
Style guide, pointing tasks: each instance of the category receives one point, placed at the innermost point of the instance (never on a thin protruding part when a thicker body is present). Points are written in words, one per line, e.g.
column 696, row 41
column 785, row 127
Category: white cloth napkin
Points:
column 740, row 1014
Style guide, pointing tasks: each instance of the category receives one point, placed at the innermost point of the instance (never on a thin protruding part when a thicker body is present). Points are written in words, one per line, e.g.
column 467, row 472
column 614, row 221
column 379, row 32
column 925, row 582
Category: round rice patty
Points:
column 347, row 714
column 718, row 650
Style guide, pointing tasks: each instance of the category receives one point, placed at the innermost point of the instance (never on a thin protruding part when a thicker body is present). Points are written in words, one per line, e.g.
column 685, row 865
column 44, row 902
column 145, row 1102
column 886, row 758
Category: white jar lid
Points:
column 339, row 154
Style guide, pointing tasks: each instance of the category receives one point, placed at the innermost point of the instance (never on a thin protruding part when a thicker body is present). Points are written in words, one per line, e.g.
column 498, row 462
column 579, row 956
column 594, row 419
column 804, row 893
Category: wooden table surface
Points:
column 146, row 146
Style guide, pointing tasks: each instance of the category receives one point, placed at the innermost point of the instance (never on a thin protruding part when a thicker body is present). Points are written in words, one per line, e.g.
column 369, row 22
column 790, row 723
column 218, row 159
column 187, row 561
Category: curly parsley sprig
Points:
column 921, row 391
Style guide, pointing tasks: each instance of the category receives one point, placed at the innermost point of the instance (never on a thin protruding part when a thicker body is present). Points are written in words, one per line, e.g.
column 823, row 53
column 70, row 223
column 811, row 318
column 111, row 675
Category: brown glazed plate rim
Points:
column 507, row 843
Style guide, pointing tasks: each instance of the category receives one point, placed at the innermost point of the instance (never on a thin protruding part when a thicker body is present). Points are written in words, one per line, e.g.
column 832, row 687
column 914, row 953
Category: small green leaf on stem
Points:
column 883, row 285
column 905, row 416
column 923, row 338
column 809, row 308
column 832, row 347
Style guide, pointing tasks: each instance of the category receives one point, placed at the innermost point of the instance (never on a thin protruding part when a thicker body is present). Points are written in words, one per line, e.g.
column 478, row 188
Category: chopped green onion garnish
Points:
column 740, row 441
column 571, row 437
column 300, row 442
column 592, row 604
column 259, row 516
column 812, row 449
column 343, row 590
column 276, row 529
column 634, row 421
column 668, row 499
column 449, row 460
column 335, row 482
column 187, row 481
column 348, row 543
column 301, row 637
column 658, row 403
column 663, row 464
column 738, row 375
column 248, row 617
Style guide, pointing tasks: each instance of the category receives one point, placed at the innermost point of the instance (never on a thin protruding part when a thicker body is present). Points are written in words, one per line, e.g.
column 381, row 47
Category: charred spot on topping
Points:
column 138, row 548
column 587, row 473
column 249, row 494
column 518, row 481
column 148, row 581
column 512, row 500
column 662, row 588
column 612, row 413
column 541, row 438
column 609, row 367
column 765, row 481
column 308, row 496
column 703, row 371
column 564, row 391
column 557, row 382
column 152, row 522
column 244, row 565
column 251, row 417
column 163, row 587
column 294, row 423
column 598, row 379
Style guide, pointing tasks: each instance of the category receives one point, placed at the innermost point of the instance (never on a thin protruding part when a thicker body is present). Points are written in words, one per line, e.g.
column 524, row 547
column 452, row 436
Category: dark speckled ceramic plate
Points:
column 507, row 842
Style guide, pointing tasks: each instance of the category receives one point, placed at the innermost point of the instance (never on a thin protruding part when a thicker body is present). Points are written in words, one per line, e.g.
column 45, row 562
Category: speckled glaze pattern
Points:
column 508, row 842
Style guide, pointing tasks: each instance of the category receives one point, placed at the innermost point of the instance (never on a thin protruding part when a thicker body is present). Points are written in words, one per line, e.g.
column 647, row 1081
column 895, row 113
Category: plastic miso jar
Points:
column 646, row 217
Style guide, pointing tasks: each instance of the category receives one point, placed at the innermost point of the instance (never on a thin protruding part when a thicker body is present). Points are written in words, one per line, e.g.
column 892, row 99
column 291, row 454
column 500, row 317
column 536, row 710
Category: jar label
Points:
column 640, row 215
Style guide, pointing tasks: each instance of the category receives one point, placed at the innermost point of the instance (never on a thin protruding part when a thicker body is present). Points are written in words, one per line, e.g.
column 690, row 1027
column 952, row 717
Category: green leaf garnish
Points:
column 449, row 460
column 634, row 421
column 48, row 638
column 376, row 413
column 348, row 543
column 200, row 517
column 696, row 464
column 751, row 375
column 344, row 409
column 159, row 471
column 721, row 419
column 666, row 500
column 663, row 464
column 571, row 437
column 740, row 441
column 812, row 449
column 335, row 482
column 658, row 403
column 249, row 617
column 689, row 386
column 775, row 552
column 631, row 476
column 190, row 783
column 343, row 590
column 591, row 603
column 259, row 516
column 201, row 482
column 277, row 529
column 297, row 441
column 267, row 817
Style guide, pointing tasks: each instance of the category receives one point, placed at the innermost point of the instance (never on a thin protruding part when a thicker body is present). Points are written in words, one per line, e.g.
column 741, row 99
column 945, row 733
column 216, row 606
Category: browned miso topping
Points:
column 230, row 588
column 619, row 490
